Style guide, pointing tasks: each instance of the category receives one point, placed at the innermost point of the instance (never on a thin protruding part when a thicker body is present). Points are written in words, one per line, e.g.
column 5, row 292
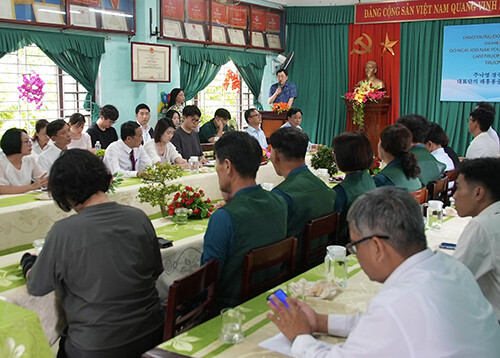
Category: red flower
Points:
column 201, row 191
column 208, row 201
column 196, row 211
column 210, row 209
column 208, row 215
column 183, row 194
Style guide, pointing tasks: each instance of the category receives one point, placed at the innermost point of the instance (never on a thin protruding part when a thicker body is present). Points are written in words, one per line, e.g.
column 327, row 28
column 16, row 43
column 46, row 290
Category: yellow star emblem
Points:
column 388, row 44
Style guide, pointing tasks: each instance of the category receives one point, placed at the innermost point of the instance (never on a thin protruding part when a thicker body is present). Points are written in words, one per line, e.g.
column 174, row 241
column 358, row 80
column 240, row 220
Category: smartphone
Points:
column 164, row 243
column 447, row 245
column 281, row 295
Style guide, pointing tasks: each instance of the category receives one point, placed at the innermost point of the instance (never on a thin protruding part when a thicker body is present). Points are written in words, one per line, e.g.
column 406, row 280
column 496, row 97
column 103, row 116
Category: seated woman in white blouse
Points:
column 79, row 139
column 160, row 149
column 19, row 171
column 41, row 140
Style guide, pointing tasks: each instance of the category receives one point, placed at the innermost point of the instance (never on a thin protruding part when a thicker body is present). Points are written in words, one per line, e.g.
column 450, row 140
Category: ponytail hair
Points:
column 396, row 140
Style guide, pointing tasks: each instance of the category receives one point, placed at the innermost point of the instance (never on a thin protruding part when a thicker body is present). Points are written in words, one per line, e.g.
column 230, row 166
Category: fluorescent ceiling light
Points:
column 110, row 13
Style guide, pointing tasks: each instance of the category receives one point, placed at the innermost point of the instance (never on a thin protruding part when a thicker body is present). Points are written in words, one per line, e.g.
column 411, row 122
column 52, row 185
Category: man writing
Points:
column 253, row 217
column 306, row 195
column 102, row 130
column 429, row 304
column 213, row 129
column 127, row 156
column 254, row 120
column 478, row 195
column 282, row 91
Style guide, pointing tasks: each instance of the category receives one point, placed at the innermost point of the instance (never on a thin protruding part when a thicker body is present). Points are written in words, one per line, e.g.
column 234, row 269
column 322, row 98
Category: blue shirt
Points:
column 220, row 235
column 259, row 135
column 287, row 91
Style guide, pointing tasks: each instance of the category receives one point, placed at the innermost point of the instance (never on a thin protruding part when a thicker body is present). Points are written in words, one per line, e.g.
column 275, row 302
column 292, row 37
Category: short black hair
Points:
column 39, row 125
column 128, row 129
column 483, row 117
column 223, row 113
column 161, row 126
column 290, row 142
column 248, row 113
column 11, row 142
column 417, row 124
column 55, row 126
column 293, row 111
column 109, row 112
column 141, row 106
column 75, row 176
column 353, row 151
column 483, row 171
column 487, row 106
column 191, row 110
column 282, row 70
column 436, row 134
column 242, row 150
column 76, row 118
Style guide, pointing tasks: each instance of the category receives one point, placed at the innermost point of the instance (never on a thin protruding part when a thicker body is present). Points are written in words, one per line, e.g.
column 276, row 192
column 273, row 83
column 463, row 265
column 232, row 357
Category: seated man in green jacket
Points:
column 213, row 129
column 431, row 168
column 253, row 217
column 307, row 196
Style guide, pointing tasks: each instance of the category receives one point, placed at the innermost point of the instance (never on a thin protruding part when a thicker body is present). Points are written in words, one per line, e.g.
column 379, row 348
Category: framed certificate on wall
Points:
column 258, row 39
column 150, row 63
column 172, row 28
column 273, row 41
column 48, row 13
column 237, row 37
column 82, row 16
column 195, row 32
column 7, row 10
column 219, row 34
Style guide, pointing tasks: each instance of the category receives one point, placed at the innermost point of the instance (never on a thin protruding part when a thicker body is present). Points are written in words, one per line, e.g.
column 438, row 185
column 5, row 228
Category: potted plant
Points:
column 323, row 158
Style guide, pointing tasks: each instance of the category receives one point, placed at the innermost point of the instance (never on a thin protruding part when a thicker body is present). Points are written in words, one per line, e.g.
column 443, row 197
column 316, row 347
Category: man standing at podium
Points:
column 282, row 91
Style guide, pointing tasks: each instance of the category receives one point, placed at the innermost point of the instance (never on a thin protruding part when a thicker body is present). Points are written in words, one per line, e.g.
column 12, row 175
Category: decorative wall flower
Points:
column 32, row 89
column 363, row 92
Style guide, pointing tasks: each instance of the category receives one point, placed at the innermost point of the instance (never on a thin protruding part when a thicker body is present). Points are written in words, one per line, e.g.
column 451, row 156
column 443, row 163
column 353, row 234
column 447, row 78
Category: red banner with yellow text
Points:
column 425, row 10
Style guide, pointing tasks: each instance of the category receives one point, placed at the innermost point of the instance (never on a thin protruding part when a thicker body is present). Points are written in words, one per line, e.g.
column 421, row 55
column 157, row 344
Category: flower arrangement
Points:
column 363, row 92
column 323, row 158
column 375, row 167
column 266, row 155
column 158, row 179
column 233, row 79
column 116, row 180
column 32, row 89
column 280, row 107
column 191, row 199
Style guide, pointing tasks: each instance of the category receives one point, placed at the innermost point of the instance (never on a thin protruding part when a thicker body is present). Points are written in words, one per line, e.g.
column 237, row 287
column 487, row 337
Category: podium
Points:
column 271, row 121
column 375, row 120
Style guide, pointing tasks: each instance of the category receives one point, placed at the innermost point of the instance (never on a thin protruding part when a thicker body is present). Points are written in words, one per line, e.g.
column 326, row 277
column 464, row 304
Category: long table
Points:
column 202, row 341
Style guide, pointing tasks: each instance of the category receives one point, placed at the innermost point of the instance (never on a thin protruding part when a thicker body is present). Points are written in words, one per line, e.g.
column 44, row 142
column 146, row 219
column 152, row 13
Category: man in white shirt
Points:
column 429, row 304
column 58, row 132
column 491, row 132
column 127, row 156
column 254, row 120
column 480, row 120
column 478, row 195
column 143, row 115
column 294, row 119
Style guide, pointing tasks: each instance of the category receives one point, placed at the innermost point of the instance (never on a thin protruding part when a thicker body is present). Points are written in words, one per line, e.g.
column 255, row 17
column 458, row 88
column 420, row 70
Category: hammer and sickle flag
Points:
column 366, row 47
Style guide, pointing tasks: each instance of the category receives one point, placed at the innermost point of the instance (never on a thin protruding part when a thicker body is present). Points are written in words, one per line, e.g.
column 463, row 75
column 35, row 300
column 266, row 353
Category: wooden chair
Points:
column 420, row 195
column 184, row 292
column 438, row 190
column 208, row 150
column 280, row 254
column 452, row 178
column 314, row 230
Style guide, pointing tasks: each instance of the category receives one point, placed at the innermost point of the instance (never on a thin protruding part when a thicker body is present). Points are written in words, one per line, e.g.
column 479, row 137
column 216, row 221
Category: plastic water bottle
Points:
column 336, row 265
column 97, row 146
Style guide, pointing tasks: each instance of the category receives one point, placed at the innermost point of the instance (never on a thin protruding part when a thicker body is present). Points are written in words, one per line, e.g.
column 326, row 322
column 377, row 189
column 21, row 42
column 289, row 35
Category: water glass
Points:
column 434, row 211
column 231, row 331
column 181, row 216
column 194, row 164
column 38, row 245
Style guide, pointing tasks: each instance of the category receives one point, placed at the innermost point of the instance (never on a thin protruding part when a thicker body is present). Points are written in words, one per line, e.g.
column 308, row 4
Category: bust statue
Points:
column 371, row 70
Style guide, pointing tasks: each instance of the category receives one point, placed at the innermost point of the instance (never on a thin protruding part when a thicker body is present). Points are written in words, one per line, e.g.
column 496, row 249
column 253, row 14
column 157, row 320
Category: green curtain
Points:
column 251, row 67
column 199, row 66
column 420, row 86
column 319, row 36
column 79, row 56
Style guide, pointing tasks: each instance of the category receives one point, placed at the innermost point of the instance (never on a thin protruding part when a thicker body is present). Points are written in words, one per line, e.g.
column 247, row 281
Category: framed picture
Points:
column 150, row 63
column 7, row 10
column 258, row 39
column 237, row 37
column 219, row 34
column 274, row 41
column 195, row 32
column 82, row 16
column 115, row 20
column 172, row 28
column 48, row 13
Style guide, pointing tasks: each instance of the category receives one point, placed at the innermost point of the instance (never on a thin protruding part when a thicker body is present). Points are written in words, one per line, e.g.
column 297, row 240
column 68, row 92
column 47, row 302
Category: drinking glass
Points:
column 231, row 331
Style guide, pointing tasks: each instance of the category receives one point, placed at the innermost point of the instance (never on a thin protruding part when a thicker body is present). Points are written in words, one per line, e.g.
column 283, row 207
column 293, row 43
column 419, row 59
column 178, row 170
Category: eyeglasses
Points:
column 351, row 247
column 256, row 115
column 195, row 120
column 28, row 142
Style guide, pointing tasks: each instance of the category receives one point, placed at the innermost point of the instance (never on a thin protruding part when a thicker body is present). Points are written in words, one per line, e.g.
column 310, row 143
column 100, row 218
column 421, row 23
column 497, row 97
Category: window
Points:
column 229, row 91
column 63, row 95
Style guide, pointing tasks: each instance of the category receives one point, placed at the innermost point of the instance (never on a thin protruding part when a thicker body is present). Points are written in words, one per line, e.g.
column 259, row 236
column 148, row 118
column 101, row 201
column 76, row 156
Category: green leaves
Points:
column 323, row 158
